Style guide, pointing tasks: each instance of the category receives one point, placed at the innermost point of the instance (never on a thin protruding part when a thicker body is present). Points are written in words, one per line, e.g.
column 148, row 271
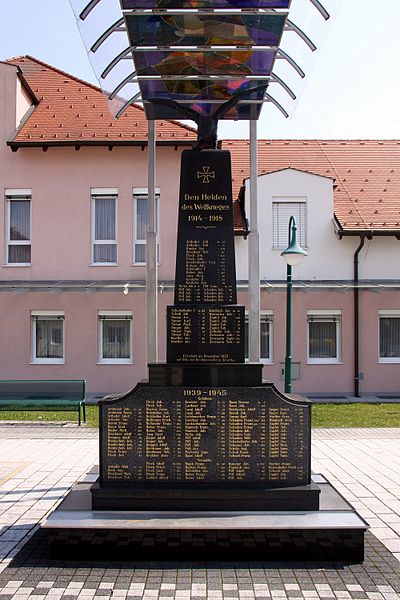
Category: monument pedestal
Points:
column 335, row 532
column 204, row 458
column 298, row 498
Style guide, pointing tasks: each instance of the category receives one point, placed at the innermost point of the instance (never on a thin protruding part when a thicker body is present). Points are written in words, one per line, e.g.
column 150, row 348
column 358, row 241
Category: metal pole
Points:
column 151, row 249
column 357, row 319
column 254, row 254
column 288, row 355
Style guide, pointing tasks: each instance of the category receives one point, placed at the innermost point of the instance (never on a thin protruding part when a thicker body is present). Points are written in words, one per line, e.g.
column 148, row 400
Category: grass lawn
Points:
column 323, row 415
column 355, row 415
column 92, row 416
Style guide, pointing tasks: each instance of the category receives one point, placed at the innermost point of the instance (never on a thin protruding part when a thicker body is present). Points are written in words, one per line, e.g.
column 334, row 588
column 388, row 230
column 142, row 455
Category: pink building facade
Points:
column 73, row 217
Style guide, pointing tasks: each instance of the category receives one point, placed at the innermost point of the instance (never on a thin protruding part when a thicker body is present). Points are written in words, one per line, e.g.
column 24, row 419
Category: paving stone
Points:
column 356, row 460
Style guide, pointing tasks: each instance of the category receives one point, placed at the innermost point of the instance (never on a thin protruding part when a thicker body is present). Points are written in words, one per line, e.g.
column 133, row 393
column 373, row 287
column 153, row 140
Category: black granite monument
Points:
column 205, row 433
column 205, row 461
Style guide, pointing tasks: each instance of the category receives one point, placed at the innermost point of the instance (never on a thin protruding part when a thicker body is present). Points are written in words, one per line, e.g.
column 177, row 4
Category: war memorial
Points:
column 205, row 458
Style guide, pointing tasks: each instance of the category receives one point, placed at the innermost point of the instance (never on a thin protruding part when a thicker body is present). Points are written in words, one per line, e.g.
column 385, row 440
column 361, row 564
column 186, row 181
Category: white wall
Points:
column 23, row 103
column 329, row 257
column 380, row 259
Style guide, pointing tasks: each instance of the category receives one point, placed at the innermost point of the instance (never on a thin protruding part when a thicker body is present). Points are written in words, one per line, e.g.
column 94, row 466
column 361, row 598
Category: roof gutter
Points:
column 77, row 144
column 356, row 296
column 367, row 233
column 241, row 203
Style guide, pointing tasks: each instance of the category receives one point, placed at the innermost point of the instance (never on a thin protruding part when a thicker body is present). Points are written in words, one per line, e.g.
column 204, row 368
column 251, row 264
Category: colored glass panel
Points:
column 192, row 29
column 193, row 93
column 236, row 62
column 171, row 4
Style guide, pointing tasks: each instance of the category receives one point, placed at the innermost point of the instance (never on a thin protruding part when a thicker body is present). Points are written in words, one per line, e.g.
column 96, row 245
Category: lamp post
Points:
column 293, row 256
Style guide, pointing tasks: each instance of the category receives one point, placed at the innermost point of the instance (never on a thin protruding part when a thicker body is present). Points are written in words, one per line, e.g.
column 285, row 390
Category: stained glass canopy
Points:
column 196, row 4
column 193, row 29
column 198, row 54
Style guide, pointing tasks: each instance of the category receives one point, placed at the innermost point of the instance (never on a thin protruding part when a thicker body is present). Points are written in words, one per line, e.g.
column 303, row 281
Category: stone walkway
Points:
column 39, row 463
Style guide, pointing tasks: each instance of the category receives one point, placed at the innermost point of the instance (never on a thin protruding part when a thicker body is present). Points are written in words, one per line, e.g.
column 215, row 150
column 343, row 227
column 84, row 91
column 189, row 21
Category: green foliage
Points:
column 323, row 415
column 355, row 415
column 92, row 416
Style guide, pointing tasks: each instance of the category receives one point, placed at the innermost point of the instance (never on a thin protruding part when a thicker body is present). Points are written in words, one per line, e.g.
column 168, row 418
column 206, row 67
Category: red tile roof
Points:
column 72, row 111
column 366, row 174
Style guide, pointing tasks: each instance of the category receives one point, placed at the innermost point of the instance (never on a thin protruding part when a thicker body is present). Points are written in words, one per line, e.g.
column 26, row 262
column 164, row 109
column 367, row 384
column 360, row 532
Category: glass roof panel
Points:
column 216, row 29
column 222, row 62
column 192, row 93
column 198, row 4
column 104, row 32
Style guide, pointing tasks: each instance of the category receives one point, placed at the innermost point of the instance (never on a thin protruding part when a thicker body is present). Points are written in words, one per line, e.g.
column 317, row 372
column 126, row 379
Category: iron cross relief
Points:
column 206, row 175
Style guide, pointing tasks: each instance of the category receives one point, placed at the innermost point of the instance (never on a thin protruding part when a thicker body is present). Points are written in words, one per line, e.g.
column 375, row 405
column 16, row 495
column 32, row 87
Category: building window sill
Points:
column 114, row 264
column 17, row 265
column 324, row 361
column 389, row 361
column 48, row 361
column 264, row 361
column 116, row 361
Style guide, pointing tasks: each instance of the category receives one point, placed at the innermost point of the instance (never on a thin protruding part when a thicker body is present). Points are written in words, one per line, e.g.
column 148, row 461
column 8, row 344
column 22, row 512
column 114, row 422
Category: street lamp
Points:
column 293, row 256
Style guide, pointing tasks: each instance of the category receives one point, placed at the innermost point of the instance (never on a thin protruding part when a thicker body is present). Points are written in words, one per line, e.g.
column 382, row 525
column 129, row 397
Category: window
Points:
column 140, row 225
column 18, row 224
column 47, row 337
column 115, row 337
column 282, row 210
column 324, row 337
column 389, row 336
column 104, row 226
column 265, row 336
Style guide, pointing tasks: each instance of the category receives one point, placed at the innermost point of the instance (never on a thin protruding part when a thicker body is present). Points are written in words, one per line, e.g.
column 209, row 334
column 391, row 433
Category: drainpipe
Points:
column 357, row 320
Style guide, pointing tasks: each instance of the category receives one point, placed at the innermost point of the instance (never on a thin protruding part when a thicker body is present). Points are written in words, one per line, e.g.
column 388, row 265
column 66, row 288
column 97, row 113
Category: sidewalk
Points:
column 39, row 463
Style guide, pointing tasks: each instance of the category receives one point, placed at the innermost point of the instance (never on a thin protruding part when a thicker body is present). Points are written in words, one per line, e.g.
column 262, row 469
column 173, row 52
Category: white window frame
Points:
column 281, row 242
column 140, row 193
column 268, row 316
column 103, row 193
column 104, row 315
column 10, row 195
column 328, row 316
column 46, row 315
column 393, row 314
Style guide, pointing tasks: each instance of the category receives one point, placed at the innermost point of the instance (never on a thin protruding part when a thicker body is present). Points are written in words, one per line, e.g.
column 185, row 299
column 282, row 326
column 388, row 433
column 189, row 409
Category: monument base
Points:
column 342, row 546
column 302, row 497
column 77, row 532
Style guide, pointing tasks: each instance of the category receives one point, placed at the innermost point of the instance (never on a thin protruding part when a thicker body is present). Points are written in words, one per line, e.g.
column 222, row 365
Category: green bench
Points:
column 42, row 394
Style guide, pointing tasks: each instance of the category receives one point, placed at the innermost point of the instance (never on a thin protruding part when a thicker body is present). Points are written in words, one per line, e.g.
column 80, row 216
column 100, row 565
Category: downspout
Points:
column 357, row 319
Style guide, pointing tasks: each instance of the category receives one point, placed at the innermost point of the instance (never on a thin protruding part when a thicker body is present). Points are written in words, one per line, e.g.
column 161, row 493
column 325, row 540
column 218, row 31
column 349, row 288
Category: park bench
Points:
column 43, row 395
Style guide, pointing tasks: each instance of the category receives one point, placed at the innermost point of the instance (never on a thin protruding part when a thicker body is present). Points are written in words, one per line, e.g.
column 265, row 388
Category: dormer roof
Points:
column 72, row 112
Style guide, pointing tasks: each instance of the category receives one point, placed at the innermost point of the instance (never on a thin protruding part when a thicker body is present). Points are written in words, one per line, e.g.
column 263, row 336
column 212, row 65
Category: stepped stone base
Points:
column 334, row 532
column 303, row 497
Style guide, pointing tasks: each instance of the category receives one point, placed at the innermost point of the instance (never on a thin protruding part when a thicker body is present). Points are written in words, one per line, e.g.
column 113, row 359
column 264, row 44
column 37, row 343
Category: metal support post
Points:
column 254, row 254
column 151, row 250
column 288, row 354
column 293, row 256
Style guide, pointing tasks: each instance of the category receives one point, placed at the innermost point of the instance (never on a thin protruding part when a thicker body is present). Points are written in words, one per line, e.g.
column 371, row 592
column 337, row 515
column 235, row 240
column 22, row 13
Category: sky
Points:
column 352, row 91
